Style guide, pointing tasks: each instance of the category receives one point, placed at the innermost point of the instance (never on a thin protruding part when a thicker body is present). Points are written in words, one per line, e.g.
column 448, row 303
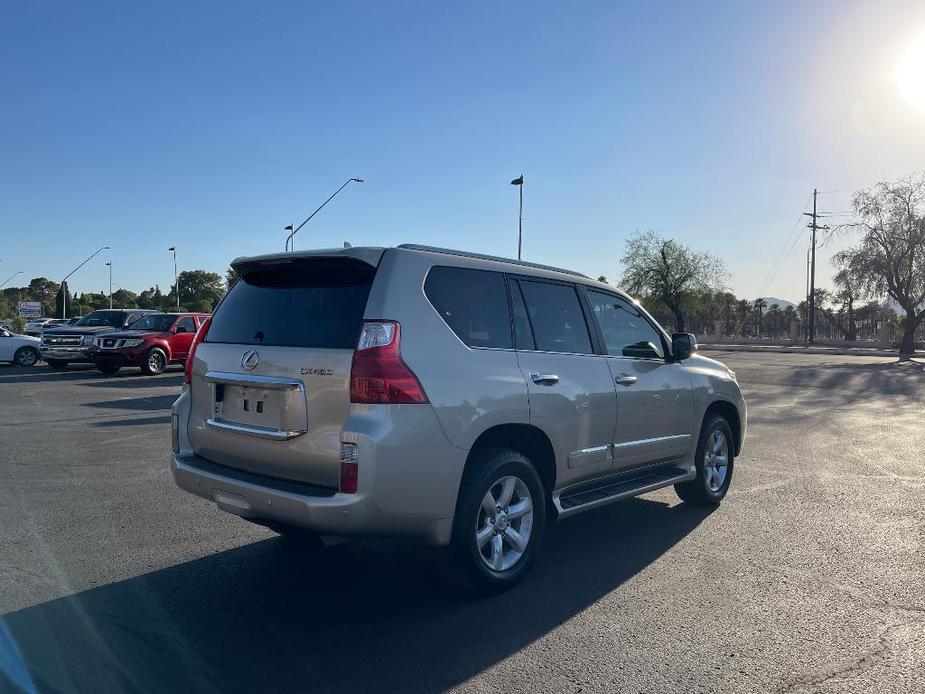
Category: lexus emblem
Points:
column 249, row 360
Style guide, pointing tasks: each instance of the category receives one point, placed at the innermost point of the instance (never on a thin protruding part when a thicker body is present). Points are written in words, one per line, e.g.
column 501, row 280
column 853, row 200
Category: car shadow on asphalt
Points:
column 133, row 421
column 39, row 374
column 273, row 616
column 138, row 404
column 133, row 382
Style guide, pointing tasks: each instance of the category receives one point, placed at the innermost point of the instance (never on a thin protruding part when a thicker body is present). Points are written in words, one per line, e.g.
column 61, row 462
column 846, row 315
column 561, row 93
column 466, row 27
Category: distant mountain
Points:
column 783, row 303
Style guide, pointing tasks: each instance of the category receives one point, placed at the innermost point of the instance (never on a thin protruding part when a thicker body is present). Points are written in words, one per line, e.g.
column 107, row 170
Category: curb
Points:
column 783, row 349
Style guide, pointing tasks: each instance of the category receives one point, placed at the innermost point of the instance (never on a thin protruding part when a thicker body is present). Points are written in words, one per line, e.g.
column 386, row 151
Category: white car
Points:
column 35, row 326
column 22, row 350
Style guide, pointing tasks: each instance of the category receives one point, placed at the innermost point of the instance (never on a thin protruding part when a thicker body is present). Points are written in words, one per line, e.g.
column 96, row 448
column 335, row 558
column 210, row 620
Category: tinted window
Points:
column 186, row 325
column 157, row 321
column 625, row 330
column 312, row 303
column 101, row 318
column 473, row 303
column 556, row 317
column 523, row 334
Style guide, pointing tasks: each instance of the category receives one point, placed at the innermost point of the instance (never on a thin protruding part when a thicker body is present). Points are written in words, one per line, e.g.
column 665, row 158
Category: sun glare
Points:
column 910, row 72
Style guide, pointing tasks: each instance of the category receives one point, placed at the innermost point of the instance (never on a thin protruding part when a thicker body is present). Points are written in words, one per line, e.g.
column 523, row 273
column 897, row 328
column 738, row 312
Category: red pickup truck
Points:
column 152, row 343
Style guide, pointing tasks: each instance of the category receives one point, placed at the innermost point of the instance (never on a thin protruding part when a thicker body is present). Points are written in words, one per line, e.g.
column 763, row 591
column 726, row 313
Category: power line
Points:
column 785, row 250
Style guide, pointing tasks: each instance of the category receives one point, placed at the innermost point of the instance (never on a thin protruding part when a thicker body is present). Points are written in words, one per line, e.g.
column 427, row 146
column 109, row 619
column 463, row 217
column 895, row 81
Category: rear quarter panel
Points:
column 470, row 389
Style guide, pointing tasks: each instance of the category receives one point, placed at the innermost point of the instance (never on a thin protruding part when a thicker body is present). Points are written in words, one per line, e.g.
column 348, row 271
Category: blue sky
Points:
column 212, row 126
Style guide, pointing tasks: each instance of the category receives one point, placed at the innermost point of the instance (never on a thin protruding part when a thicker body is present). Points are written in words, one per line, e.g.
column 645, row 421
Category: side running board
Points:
column 614, row 487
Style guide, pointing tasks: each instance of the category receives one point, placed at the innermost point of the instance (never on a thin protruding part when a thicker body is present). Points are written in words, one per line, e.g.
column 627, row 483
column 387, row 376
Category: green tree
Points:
column 198, row 287
column 759, row 305
column 669, row 271
column 232, row 277
column 62, row 301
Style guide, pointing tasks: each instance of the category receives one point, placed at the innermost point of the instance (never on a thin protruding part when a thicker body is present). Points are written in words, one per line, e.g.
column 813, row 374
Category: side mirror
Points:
column 683, row 345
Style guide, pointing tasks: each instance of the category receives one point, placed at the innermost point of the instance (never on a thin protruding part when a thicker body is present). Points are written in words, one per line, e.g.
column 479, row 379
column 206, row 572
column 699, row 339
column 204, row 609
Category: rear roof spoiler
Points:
column 364, row 254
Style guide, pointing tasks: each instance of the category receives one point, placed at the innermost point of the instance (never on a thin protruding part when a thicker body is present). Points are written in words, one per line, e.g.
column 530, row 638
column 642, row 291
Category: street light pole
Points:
column 109, row 265
column 176, row 281
column 9, row 278
column 519, row 182
column 293, row 232
column 64, row 293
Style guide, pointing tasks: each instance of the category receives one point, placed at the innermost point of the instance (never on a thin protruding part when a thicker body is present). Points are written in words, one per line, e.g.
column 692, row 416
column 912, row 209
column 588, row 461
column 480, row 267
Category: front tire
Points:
column 26, row 356
column 500, row 516
column 715, row 460
column 155, row 361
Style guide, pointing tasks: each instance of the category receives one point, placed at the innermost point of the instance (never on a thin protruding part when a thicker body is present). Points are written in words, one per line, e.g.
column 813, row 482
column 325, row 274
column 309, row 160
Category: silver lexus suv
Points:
column 454, row 398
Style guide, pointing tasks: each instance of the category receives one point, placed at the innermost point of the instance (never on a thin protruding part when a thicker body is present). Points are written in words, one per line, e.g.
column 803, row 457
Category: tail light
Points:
column 349, row 473
column 200, row 336
column 378, row 375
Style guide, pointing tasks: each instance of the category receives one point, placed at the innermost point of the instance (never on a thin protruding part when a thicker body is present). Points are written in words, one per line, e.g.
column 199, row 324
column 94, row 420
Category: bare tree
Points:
column 669, row 271
column 891, row 257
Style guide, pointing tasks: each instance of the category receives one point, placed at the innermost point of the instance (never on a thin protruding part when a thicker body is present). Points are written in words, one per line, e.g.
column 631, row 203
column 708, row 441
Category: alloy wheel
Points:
column 505, row 523
column 715, row 460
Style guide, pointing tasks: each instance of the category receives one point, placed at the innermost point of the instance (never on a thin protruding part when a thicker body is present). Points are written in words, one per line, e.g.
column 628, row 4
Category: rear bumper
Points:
column 320, row 509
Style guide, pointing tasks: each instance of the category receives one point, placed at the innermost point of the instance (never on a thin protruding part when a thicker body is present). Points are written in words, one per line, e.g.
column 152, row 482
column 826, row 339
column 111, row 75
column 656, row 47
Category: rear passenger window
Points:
column 556, row 317
column 473, row 303
column 186, row 325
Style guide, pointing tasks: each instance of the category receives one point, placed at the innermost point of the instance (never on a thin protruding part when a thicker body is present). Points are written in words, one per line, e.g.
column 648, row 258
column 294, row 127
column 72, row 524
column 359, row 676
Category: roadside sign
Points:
column 30, row 309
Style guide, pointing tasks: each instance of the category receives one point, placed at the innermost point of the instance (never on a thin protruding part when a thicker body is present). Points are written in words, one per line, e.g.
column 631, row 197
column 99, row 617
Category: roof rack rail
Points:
column 482, row 256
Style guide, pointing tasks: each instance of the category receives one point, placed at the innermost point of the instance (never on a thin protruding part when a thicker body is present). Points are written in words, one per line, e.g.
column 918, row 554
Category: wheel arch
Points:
column 526, row 439
column 164, row 346
column 730, row 413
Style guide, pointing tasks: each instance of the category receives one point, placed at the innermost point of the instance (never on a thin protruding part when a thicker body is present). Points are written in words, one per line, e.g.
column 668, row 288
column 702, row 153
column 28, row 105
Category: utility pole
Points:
column 806, row 327
column 811, row 299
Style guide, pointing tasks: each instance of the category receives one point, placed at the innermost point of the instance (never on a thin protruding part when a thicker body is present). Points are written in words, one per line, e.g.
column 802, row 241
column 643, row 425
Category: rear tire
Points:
column 500, row 517
column 56, row 364
column 155, row 361
column 26, row 356
column 715, row 460
column 108, row 369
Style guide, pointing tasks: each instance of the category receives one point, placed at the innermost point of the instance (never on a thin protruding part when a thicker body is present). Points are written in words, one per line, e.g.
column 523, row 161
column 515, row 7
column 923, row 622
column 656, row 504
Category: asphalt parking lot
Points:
column 809, row 577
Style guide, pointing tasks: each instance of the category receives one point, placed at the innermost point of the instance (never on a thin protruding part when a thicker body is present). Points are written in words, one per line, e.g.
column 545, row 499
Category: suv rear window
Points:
column 473, row 303
column 312, row 303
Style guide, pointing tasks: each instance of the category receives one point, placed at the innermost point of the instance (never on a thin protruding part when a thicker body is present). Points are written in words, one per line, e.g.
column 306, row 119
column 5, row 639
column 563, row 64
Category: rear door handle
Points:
column 625, row 380
column 544, row 379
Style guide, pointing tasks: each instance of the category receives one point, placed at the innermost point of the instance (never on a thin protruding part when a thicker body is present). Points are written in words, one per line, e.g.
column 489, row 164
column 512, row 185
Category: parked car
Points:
column 151, row 343
column 67, row 344
column 56, row 323
column 22, row 350
column 454, row 398
column 34, row 326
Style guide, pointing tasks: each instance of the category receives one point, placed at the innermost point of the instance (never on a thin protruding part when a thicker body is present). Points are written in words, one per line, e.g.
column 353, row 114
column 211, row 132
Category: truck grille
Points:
column 109, row 342
column 62, row 340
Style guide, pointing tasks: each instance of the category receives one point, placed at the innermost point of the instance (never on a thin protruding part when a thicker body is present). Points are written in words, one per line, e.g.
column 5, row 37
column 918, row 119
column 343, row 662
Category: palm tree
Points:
column 759, row 305
column 743, row 310
column 774, row 320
